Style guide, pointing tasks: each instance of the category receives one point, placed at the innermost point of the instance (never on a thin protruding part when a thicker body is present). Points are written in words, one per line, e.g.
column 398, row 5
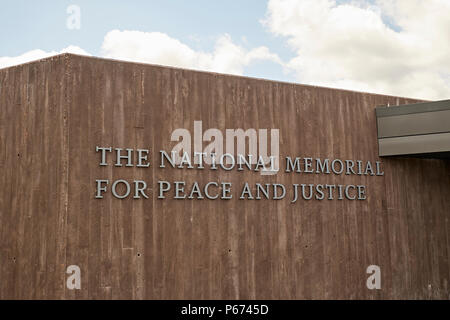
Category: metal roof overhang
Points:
column 414, row 130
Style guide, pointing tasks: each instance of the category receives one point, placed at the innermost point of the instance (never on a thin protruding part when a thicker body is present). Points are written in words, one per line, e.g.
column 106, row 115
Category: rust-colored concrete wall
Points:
column 53, row 113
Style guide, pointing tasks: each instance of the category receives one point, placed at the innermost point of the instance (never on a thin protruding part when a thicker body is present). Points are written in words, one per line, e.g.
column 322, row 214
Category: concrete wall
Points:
column 53, row 113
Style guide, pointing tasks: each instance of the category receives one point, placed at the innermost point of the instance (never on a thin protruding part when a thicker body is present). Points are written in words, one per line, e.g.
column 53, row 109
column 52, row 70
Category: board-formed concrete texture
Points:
column 55, row 112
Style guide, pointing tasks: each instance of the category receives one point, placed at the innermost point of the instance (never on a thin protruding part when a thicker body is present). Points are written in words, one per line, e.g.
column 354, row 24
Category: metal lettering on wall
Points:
column 213, row 158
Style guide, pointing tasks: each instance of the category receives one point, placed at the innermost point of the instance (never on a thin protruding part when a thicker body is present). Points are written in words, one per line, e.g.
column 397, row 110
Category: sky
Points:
column 396, row 47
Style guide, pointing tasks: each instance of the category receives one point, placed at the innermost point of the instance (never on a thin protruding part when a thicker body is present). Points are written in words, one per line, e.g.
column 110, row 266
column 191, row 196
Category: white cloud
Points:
column 159, row 48
column 36, row 55
column 398, row 47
